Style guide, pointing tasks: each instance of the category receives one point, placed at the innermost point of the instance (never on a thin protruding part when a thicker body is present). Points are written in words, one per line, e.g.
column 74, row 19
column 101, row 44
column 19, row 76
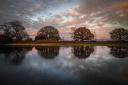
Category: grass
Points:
column 70, row 43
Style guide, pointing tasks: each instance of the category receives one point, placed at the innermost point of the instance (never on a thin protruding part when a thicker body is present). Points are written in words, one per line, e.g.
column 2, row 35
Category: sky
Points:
column 100, row 16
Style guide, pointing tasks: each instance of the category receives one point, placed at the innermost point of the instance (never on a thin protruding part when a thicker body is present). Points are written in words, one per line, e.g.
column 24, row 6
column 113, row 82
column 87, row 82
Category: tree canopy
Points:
column 15, row 30
column 82, row 34
column 119, row 34
column 48, row 33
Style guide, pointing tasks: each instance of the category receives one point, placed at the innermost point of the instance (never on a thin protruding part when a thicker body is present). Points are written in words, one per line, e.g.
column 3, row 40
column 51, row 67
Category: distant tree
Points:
column 48, row 33
column 119, row 34
column 82, row 34
column 83, row 51
column 15, row 30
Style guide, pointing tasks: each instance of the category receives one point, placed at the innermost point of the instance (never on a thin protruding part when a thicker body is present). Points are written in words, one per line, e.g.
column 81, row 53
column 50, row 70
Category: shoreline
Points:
column 71, row 43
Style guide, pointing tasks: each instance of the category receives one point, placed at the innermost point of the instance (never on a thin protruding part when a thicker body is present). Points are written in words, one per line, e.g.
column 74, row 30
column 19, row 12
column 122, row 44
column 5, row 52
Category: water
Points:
column 78, row 65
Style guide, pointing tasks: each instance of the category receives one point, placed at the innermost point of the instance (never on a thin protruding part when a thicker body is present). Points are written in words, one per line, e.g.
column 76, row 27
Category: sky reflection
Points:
column 100, row 64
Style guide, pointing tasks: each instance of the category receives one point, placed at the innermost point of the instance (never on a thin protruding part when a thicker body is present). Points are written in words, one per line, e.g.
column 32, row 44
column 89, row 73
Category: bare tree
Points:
column 48, row 33
column 82, row 34
column 119, row 34
column 15, row 30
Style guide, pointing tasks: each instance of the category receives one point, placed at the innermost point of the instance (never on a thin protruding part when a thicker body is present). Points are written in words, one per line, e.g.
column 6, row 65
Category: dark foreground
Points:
column 63, row 65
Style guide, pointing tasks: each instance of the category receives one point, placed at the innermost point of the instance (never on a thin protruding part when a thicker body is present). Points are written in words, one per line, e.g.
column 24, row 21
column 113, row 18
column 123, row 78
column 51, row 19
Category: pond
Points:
column 64, row 65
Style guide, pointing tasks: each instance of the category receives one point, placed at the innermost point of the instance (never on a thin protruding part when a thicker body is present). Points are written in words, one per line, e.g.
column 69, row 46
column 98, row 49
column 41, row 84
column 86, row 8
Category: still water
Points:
column 71, row 65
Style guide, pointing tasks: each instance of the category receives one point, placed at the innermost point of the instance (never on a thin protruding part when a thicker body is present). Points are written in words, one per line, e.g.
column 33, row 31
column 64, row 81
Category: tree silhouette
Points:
column 83, row 51
column 15, row 30
column 119, row 34
column 4, row 39
column 48, row 52
column 82, row 34
column 48, row 33
column 119, row 52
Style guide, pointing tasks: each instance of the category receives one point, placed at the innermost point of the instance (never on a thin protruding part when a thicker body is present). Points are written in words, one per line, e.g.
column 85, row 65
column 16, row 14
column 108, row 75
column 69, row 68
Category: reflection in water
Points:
column 66, row 69
column 83, row 51
column 119, row 52
column 48, row 52
column 14, row 55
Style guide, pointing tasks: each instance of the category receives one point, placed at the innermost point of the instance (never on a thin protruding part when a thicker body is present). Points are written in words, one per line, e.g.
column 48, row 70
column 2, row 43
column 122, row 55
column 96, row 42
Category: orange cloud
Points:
column 32, row 33
column 123, row 5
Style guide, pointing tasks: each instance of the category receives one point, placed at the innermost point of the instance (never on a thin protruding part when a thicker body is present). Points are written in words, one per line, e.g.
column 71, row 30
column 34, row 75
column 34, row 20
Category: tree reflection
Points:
column 83, row 51
column 48, row 52
column 119, row 52
column 14, row 55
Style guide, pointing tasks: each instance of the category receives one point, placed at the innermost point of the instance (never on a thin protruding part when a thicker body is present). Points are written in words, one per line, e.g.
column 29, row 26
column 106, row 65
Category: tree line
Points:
column 15, row 31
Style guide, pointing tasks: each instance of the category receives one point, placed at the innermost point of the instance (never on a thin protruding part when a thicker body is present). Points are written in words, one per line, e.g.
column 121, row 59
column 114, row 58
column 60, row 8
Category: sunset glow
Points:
column 103, row 15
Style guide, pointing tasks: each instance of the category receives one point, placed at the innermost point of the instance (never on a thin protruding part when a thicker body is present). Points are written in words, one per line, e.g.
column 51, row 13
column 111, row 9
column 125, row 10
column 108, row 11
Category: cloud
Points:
column 94, row 14
column 20, row 9
column 111, row 11
column 122, row 6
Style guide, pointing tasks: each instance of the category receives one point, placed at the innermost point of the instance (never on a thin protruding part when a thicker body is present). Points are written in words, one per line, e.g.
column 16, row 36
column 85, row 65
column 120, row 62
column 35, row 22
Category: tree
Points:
column 48, row 33
column 82, row 34
column 15, row 30
column 119, row 34
column 4, row 39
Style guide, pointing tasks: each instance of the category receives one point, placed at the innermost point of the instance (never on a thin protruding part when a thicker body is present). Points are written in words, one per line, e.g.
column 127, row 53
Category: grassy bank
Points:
column 72, row 43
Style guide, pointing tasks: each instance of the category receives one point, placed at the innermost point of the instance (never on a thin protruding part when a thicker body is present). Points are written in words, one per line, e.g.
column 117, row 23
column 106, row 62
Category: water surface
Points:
column 70, row 65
